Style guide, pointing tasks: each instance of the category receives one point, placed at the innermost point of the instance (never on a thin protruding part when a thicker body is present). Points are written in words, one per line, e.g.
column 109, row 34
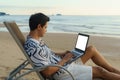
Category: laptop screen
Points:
column 82, row 41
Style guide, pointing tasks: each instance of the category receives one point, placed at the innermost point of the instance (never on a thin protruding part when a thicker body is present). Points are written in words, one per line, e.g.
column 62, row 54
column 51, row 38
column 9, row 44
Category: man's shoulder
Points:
column 30, row 43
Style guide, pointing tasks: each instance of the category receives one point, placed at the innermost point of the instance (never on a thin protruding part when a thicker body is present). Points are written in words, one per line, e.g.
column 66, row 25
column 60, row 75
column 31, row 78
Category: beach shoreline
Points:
column 25, row 30
column 11, row 55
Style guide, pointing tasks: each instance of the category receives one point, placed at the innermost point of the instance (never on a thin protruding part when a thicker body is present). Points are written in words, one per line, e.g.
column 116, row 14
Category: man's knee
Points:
column 99, row 72
column 91, row 48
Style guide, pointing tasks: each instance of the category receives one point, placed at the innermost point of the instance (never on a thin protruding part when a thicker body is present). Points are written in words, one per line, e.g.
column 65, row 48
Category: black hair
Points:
column 37, row 18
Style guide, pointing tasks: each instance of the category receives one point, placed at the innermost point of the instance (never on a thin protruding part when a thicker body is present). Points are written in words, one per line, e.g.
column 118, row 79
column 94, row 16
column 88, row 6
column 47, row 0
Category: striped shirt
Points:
column 39, row 53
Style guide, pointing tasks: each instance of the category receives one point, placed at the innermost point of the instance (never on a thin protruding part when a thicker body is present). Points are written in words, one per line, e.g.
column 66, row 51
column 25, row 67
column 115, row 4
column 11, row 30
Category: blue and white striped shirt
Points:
column 39, row 53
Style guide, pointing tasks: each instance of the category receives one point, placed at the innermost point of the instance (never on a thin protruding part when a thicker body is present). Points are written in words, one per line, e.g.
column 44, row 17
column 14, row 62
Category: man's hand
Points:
column 67, row 56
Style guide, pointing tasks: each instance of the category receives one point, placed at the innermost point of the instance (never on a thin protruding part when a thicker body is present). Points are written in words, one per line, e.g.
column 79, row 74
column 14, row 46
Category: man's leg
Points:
column 98, row 59
column 99, row 72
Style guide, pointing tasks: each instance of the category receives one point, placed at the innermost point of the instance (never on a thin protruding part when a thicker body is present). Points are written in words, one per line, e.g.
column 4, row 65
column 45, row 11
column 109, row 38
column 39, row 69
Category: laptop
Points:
column 80, row 47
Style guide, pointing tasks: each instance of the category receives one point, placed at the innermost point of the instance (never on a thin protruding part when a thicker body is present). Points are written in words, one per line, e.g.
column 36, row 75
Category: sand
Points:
column 11, row 56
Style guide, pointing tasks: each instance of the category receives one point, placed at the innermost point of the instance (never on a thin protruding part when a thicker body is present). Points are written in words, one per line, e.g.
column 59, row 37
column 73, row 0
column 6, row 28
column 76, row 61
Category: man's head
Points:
column 37, row 19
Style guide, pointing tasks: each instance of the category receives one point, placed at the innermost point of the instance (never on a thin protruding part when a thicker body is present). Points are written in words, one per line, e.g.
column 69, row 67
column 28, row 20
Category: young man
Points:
column 41, row 55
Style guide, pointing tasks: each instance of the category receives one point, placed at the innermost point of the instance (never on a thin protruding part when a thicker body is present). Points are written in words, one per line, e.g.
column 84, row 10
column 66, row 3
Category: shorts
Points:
column 79, row 72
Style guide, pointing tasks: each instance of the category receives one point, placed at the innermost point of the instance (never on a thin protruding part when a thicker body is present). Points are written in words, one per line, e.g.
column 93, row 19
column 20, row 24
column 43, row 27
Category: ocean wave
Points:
column 86, row 24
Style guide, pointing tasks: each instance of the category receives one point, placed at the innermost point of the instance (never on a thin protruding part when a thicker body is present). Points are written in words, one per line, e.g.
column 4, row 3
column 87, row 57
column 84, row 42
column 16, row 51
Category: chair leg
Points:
column 17, row 70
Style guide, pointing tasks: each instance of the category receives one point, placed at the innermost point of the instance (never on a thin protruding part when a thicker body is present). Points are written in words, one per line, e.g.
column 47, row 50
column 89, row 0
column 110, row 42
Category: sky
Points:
column 65, row 7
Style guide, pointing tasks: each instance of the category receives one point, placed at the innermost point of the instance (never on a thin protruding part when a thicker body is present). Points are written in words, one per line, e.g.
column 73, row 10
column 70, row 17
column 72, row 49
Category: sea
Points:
column 99, row 25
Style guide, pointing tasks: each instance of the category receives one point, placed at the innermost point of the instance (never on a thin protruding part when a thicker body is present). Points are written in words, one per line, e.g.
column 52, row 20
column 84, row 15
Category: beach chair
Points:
column 17, row 72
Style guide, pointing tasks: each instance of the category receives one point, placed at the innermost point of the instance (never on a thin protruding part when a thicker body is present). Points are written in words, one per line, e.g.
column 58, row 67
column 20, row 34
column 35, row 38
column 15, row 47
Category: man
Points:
column 41, row 55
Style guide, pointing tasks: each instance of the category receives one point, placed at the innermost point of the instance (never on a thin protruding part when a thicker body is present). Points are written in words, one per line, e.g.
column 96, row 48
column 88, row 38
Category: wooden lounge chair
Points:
column 19, row 39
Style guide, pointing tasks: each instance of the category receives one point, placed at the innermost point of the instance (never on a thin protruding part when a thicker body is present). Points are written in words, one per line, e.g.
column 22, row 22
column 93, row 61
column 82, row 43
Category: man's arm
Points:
column 51, row 70
column 62, row 54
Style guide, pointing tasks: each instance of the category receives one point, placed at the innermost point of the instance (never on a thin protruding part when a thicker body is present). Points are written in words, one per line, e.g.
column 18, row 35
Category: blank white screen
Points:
column 81, row 42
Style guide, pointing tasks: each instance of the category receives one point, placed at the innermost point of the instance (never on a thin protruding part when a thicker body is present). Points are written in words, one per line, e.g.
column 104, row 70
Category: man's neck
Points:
column 34, row 35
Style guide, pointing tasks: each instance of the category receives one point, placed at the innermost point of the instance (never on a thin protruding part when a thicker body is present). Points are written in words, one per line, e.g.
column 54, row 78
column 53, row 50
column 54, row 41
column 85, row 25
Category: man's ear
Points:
column 39, row 26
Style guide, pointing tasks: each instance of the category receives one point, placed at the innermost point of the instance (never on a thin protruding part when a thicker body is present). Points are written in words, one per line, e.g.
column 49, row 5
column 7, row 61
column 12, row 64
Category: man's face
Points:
column 43, row 30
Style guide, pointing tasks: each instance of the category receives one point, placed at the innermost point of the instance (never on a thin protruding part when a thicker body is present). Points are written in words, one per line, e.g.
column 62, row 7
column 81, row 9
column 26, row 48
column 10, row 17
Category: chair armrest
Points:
column 42, row 68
